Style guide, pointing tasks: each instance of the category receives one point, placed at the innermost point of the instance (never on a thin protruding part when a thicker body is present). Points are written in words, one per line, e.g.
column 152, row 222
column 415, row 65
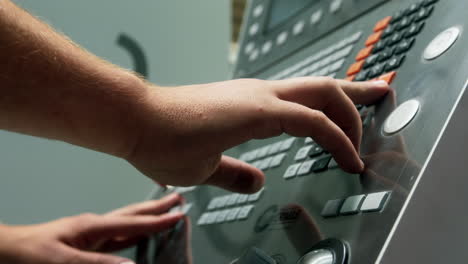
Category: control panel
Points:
column 310, row 211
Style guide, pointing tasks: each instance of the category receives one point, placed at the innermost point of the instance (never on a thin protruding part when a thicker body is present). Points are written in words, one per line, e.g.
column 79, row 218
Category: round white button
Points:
column 335, row 5
column 253, row 30
column 320, row 256
column 266, row 48
column 282, row 37
column 258, row 11
column 316, row 17
column 249, row 47
column 440, row 44
column 298, row 28
column 254, row 55
column 401, row 117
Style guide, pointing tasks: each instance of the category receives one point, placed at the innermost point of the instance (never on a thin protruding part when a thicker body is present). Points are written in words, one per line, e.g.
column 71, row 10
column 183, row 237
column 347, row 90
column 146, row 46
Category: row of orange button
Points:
column 367, row 51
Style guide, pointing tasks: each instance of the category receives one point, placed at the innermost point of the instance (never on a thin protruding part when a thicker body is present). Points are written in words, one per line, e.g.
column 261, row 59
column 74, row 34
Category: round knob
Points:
column 320, row 256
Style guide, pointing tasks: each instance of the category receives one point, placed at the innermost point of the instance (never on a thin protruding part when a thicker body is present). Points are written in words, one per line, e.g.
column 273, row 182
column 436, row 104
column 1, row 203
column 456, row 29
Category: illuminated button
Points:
column 298, row 28
column 282, row 37
column 249, row 47
column 277, row 160
column 350, row 78
column 258, row 11
column 388, row 77
column 332, row 208
column 316, row 17
column 302, row 153
column 374, row 202
column 254, row 55
column 253, row 30
column 364, row 53
column 232, row 200
column 351, row 205
column 221, row 217
column 305, row 167
column 256, row 196
column 291, row 171
column 401, row 117
column 244, row 212
column 287, row 144
column 335, row 6
column 374, row 38
column 232, row 214
column 355, row 68
column 266, row 48
column 440, row 44
column 382, row 24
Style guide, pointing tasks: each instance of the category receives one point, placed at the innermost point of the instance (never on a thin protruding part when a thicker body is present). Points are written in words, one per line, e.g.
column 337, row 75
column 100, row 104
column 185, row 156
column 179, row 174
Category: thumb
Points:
column 364, row 92
column 83, row 257
column 237, row 176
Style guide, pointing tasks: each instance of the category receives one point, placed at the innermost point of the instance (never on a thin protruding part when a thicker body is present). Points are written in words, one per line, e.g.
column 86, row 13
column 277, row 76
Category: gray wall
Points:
column 185, row 42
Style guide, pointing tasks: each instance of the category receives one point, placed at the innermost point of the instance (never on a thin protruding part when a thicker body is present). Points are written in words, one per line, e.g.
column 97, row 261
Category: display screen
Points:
column 282, row 10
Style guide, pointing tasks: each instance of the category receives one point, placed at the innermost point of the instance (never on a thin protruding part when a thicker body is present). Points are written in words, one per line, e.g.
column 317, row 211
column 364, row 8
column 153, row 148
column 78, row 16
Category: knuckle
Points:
column 319, row 117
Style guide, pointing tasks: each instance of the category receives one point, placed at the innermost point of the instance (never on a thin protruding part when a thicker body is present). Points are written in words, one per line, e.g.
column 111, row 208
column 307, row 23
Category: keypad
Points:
column 269, row 156
column 362, row 203
column 392, row 38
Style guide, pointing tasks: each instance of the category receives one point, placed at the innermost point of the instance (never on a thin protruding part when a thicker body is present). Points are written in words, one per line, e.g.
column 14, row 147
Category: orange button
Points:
column 382, row 24
column 388, row 77
column 350, row 78
column 364, row 53
column 355, row 68
column 374, row 38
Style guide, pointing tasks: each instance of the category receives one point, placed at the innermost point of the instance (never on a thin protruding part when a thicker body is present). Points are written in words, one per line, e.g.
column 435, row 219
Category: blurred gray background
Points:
column 184, row 42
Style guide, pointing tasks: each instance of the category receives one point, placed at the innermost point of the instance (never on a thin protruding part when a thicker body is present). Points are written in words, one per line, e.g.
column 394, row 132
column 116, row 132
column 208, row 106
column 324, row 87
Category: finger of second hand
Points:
column 151, row 207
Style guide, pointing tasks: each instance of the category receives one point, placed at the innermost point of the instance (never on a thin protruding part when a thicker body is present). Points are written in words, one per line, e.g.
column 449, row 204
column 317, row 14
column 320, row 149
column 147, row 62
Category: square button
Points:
column 256, row 196
column 232, row 215
column 287, row 144
column 374, row 202
column 242, row 198
column 305, row 167
column 332, row 208
column 291, row 171
column 277, row 160
column 221, row 217
column 352, row 204
column 232, row 199
column 321, row 164
column 302, row 153
column 244, row 212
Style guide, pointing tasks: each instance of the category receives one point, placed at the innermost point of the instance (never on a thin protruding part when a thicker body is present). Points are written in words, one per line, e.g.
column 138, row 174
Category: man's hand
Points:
column 79, row 239
column 185, row 129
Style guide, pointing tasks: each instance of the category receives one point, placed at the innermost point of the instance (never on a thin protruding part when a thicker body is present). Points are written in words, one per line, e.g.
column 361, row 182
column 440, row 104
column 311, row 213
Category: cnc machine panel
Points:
column 310, row 211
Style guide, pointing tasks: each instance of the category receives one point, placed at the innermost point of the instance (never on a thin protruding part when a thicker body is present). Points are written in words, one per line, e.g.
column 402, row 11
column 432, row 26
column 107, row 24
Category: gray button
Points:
column 335, row 6
column 249, row 47
column 256, row 196
column 337, row 66
column 302, row 153
column 242, row 198
column 351, row 205
column 262, row 152
column 211, row 218
column 245, row 157
column 253, row 30
column 305, row 167
column 324, row 72
column 281, row 39
column 213, row 203
column 354, row 38
column 221, row 217
column 333, row 164
column 258, row 10
column 287, row 144
column 203, row 218
column 374, row 202
column 223, row 201
column 254, row 55
column 244, row 212
column 332, row 208
column 440, row 44
column 277, row 160
column 291, row 171
column 401, row 117
column 316, row 17
column 298, row 28
column 308, row 140
column 257, row 164
column 232, row 199
column 266, row 48
column 253, row 154
column 265, row 164
column 275, row 148
column 232, row 215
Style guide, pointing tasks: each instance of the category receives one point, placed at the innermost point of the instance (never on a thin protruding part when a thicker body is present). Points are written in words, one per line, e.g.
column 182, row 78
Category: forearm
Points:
column 52, row 88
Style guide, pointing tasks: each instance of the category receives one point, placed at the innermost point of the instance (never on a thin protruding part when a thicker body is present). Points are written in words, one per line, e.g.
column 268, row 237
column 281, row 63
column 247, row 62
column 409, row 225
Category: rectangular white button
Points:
column 305, row 167
column 254, row 197
column 244, row 212
column 232, row 215
column 277, row 160
column 291, row 171
column 374, row 202
column 302, row 153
